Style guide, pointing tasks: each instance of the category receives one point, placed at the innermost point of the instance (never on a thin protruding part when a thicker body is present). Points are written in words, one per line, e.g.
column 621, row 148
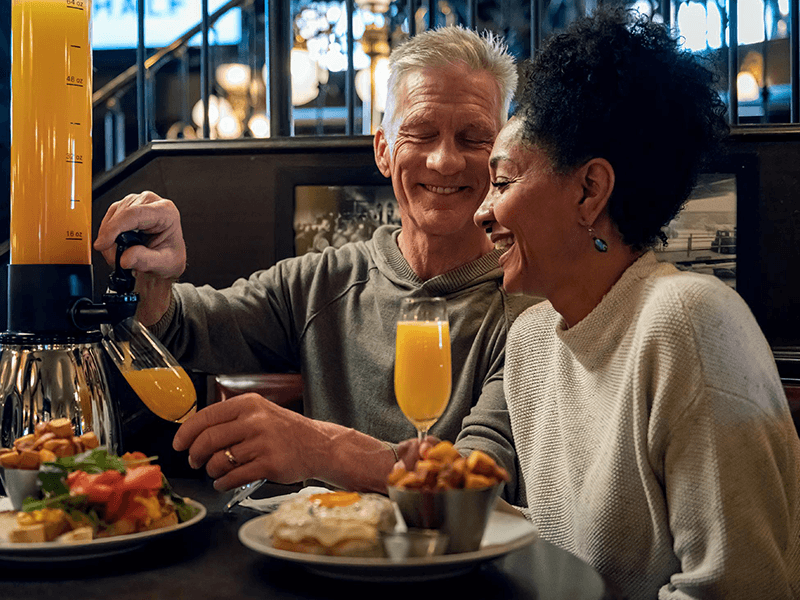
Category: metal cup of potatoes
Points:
column 19, row 466
column 449, row 493
column 20, row 484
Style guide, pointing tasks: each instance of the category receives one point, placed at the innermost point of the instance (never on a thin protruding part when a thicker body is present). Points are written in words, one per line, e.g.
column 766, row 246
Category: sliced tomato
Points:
column 147, row 477
column 136, row 457
column 114, row 504
column 75, row 476
column 110, row 477
column 97, row 487
column 129, row 509
column 95, row 493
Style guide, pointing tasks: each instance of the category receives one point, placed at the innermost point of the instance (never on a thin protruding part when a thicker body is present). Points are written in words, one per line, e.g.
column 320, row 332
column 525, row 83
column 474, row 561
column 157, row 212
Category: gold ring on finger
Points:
column 231, row 458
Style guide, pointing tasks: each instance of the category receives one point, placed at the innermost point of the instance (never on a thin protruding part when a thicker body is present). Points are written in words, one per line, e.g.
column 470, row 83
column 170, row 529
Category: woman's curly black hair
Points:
column 617, row 86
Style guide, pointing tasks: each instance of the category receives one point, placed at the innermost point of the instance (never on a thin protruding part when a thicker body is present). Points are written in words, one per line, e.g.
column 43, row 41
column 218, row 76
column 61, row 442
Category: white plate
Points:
column 52, row 551
column 504, row 533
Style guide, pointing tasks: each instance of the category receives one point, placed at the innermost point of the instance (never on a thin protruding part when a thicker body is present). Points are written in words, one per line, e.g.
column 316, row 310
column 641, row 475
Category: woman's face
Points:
column 532, row 212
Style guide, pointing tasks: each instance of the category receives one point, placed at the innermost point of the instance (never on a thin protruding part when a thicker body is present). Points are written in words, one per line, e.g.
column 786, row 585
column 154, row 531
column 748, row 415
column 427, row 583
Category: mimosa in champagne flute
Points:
column 153, row 373
column 422, row 377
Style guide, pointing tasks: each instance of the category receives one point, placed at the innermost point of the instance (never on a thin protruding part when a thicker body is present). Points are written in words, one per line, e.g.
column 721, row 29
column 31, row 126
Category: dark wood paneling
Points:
column 236, row 201
column 237, row 205
column 773, row 258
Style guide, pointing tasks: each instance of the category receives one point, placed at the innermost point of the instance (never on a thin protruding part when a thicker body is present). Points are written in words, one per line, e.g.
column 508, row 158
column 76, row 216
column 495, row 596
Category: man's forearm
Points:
column 155, row 296
column 348, row 458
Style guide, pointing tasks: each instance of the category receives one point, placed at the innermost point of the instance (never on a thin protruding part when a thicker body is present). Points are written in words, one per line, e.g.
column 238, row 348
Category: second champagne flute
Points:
column 422, row 374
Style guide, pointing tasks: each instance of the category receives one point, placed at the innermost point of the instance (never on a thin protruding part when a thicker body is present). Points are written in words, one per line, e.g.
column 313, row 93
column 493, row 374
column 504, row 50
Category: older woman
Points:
column 651, row 429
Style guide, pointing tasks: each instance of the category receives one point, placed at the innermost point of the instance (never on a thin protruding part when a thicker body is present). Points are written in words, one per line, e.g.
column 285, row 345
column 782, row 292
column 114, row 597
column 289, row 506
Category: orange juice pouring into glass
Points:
column 152, row 372
column 422, row 373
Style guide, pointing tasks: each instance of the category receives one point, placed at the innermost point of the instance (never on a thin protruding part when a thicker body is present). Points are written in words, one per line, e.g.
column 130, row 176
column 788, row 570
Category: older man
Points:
column 332, row 315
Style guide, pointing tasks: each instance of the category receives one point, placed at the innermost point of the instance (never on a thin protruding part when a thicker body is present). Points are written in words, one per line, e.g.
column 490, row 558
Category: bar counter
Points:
column 207, row 560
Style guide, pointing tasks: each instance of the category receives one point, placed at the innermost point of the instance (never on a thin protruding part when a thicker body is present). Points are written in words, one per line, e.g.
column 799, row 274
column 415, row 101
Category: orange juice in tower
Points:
column 51, row 170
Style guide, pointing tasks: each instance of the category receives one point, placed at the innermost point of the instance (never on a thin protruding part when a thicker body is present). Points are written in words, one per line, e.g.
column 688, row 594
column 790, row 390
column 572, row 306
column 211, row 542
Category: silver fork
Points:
column 242, row 493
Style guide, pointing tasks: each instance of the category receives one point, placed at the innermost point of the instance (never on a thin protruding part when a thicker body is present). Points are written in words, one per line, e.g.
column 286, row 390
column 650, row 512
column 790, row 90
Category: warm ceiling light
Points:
column 229, row 127
column 373, row 6
column 305, row 75
column 216, row 110
column 747, row 87
column 233, row 77
column 362, row 83
column 259, row 125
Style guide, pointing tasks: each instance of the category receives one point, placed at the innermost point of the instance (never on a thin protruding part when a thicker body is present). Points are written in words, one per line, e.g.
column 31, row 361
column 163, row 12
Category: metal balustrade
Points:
column 770, row 64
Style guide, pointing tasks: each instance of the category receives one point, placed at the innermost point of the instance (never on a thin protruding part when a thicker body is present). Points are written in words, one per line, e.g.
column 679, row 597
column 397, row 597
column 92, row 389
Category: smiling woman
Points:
column 535, row 261
column 651, row 428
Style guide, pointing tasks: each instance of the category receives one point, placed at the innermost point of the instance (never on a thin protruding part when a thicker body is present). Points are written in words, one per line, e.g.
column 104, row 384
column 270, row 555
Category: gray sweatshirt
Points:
column 331, row 317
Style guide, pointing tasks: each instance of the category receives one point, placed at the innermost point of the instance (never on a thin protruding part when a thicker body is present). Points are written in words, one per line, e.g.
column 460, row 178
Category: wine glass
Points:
column 422, row 378
column 153, row 373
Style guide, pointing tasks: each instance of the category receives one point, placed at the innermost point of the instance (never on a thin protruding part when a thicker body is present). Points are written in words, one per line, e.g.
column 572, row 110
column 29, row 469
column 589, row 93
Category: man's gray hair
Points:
column 449, row 46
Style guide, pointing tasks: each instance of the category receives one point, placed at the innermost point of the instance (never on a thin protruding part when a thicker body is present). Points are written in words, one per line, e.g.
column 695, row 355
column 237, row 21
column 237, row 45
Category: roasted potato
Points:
column 443, row 468
column 50, row 440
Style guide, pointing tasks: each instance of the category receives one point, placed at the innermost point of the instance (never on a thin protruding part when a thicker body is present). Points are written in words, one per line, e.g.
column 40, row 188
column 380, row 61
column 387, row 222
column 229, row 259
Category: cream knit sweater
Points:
column 655, row 442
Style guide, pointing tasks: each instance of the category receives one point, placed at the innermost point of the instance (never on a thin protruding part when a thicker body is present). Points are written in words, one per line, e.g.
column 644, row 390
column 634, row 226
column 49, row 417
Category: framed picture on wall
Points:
column 702, row 238
column 333, row 215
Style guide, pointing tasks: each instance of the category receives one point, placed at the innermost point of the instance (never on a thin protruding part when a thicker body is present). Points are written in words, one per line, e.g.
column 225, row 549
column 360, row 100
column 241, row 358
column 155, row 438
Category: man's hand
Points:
column 410, row 451
column 247, row 438
column 164, row 257
column 156, row 265
column 262, row 440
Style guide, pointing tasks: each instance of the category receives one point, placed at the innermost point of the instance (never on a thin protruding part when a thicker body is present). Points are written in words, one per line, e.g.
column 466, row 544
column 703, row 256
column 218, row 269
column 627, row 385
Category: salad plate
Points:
column 97, row 548
column 504, row 533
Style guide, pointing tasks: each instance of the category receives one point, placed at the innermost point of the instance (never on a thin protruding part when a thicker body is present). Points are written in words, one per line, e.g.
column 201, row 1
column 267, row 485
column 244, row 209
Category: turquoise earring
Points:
column 599, row 244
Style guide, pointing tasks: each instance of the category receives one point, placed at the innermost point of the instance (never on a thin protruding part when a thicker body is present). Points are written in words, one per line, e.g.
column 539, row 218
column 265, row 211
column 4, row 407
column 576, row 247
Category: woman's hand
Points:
column 246, row 438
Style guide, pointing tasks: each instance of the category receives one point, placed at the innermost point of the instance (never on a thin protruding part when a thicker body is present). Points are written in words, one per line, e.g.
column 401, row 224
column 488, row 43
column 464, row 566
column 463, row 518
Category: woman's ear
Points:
column 382, row 153
column 597, row 178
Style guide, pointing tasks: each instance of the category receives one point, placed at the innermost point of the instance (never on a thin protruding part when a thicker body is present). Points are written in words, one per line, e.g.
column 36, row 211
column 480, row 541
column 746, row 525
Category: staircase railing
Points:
column 541, row 19
column 142, row 74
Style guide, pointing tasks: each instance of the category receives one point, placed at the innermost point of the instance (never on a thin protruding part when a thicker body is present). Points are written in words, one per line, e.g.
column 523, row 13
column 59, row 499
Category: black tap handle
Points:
column 122, row 280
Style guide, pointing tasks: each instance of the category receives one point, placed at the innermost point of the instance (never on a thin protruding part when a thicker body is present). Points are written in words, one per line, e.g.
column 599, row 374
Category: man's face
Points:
column 449, row 118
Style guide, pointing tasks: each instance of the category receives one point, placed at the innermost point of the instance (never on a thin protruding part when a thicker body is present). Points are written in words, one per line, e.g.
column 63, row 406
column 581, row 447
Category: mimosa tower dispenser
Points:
column 52, row 362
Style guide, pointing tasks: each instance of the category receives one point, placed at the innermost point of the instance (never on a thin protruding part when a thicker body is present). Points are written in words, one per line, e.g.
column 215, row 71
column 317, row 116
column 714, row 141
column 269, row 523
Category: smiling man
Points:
column 434, row 144
column 331, row 316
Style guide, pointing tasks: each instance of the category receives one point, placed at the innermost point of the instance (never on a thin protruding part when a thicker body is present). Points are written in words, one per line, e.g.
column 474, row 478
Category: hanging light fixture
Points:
column 259, row 125
column 305, row 84
column 371, row 84
column 374, row 6
column 217, row 108
column 381, row 81
column 306, row 76
column 234, row 78
column 747, row 87
column 229, row 127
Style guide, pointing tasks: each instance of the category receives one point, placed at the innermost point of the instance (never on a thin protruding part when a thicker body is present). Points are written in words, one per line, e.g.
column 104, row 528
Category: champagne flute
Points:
column 422, row 378
column 153, row 373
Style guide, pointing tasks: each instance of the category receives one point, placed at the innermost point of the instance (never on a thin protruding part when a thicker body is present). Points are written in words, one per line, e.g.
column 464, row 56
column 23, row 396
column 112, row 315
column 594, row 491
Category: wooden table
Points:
column 207, row 560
